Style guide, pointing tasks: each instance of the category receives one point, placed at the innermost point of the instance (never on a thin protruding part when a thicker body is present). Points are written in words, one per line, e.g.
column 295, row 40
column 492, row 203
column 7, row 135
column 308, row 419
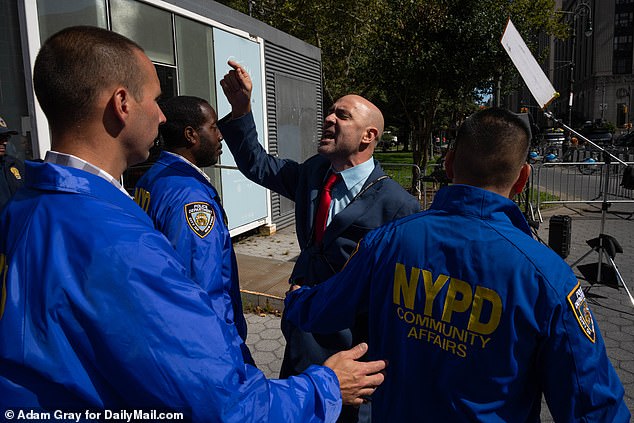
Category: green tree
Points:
column 422, row 61
column 341, row 29
column 435, row 54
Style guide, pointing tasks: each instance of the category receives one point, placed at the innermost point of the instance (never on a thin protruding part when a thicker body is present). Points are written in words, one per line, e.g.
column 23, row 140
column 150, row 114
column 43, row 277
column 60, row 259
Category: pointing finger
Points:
column 234, row 64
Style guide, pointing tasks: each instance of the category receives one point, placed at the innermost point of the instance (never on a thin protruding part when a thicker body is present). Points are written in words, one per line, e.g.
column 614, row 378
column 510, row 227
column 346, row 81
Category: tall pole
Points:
column 603, row 102
column 629, row 107
column 568, row 139
column 572, row 69
column 581, row 9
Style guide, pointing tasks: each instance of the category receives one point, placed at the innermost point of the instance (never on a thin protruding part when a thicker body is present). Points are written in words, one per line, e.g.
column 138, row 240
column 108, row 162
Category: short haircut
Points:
column 76, row 64
column 180, row 112
column 490, row 148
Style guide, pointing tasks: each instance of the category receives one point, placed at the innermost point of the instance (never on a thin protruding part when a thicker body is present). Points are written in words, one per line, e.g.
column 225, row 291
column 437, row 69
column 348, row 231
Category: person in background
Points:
column 97, row 310
column 340, row 194
column 185, row 206
column 11, row 168
column 477, row 319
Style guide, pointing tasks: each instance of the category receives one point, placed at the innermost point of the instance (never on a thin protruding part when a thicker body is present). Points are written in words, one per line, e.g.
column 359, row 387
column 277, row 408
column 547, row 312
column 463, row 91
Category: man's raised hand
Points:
column 237, row 87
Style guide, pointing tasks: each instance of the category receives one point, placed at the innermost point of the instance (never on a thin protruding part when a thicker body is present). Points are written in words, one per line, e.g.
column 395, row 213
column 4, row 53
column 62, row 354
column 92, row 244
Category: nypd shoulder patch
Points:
column 579, row 305
column 200, row 217
column 16, row 172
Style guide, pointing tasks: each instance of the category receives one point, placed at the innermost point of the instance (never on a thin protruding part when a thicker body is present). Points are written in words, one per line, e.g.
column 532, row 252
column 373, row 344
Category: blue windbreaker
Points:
column 475, row 318
column 96, row 312
column 186, row 208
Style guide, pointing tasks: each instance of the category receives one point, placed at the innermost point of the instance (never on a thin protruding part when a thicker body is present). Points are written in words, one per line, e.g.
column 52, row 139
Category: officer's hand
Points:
column 357, row 379
column 237, row 87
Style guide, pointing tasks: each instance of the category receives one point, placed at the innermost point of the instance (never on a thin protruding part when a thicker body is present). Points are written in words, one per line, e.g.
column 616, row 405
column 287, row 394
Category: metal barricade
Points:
column 435, row 178
column 580, row 182
column 564, row 182
column 407, row 175
column 525, row 200
column 432, row 180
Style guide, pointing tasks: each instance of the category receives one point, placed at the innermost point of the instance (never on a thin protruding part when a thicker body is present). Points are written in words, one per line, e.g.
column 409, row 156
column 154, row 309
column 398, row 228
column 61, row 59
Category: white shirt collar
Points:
column 69, row 160
column 199, row 170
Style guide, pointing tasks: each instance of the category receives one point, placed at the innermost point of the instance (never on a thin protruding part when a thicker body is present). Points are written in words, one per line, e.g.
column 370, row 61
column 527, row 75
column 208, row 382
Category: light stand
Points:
column 529, row 213
column 528, row 188
column 605, row 245
column 544, row 93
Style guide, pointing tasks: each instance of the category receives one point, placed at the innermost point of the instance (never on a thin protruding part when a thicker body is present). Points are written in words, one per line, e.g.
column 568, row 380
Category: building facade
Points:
column 594, row 63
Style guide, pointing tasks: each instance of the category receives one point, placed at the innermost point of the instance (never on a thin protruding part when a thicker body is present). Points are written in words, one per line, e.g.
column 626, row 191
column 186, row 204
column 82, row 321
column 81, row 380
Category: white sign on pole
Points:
column 533, row 75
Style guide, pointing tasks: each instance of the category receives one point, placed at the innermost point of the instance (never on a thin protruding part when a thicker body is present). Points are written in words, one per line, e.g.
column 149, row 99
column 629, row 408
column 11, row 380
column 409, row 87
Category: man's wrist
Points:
column 237, row 113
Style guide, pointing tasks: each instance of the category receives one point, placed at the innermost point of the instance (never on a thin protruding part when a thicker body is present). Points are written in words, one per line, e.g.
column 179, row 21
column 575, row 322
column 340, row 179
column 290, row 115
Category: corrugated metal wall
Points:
column 279, row 60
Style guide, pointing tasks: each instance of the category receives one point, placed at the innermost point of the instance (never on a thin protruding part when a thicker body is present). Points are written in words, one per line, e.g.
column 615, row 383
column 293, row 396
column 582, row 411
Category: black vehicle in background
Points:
column 598, row 134
column 625, row 142
column 602, row 138
column 552, row 137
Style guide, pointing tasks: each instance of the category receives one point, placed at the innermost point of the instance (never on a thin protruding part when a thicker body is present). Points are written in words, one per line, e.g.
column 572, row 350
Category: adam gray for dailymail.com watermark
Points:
column 91, row 415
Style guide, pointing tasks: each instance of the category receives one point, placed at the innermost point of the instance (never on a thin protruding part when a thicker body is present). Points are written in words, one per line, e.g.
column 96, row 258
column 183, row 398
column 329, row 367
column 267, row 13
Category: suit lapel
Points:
column 359, row 206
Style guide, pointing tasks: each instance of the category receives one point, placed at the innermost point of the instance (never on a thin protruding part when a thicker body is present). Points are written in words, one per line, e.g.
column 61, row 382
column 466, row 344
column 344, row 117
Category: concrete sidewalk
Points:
column 265, row 262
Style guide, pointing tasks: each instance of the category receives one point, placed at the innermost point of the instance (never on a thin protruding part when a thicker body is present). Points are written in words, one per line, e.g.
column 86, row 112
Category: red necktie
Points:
column 324, row 206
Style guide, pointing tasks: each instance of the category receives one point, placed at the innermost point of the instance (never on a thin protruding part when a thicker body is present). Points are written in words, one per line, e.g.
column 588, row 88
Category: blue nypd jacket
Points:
column 475, row 318
column 96, row 312
column 186, row 208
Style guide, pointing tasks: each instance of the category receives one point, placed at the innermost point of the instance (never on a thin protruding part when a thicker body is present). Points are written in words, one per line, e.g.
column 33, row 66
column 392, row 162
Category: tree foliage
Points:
column 341, row 29
column 436, row 53
column 422, row 61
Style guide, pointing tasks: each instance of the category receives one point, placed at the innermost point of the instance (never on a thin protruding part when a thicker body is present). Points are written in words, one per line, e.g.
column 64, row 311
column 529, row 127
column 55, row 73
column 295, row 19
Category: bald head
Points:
column 352, row 128
column 490, row 151
column 371, row 114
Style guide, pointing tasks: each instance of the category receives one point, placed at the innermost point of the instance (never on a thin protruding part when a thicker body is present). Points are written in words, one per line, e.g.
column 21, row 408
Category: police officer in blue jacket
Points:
column 184, row 205
column 97, row 313
column 476, row 318
column 11, row 168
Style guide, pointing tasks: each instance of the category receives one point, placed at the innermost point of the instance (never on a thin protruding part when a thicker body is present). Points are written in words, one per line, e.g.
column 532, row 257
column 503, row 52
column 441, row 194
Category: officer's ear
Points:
column 116, row 111
column 119, row 105
column 520, row 183
column 191, row 136
column 449, row 157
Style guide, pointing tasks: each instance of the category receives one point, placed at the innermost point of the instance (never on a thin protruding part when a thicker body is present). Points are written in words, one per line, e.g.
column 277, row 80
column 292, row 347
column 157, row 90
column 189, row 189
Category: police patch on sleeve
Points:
column 200, row 217
column 16, row 172
column 579, row 304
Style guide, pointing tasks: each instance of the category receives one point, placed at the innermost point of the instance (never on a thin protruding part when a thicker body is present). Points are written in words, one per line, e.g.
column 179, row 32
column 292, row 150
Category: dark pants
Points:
column 304, row 349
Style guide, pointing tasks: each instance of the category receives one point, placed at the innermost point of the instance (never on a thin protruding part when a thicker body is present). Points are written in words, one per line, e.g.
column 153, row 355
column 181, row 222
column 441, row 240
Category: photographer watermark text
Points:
column 91, row 415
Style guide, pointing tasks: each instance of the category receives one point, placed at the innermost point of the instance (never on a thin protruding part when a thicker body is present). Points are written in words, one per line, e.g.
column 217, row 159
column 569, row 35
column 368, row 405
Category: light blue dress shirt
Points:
column 353, row 180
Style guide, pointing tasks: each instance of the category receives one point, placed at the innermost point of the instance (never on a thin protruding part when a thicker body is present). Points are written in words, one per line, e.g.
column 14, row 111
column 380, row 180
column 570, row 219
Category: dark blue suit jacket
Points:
column 381, row 200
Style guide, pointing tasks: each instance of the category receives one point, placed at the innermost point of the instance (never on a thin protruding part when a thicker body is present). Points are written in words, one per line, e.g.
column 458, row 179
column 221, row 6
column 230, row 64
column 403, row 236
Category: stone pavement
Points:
column 612, row 308
column 266, row 261
column 266, row 342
